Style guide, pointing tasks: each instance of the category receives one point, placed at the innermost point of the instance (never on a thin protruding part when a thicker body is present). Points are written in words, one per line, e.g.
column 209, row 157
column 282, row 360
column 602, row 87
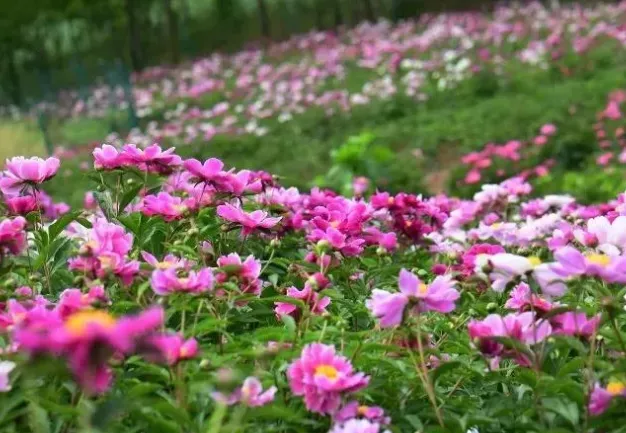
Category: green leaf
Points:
column 289, row 322
column 106, row 412
column 38, row 419
column 129, row 196
column 105, row 202
column 443, row 369
column 59, row 225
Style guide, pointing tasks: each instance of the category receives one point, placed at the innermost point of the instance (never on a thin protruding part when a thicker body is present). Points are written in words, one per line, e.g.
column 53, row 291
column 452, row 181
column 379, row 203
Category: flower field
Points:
column 417, row 227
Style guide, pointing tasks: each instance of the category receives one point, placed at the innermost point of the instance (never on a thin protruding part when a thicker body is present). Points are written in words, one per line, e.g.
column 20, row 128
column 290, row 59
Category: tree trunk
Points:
column 15, row 88
column 369, row 10
column 338, row 13
column 172, row 32
column 264, row 19
column 134, row 35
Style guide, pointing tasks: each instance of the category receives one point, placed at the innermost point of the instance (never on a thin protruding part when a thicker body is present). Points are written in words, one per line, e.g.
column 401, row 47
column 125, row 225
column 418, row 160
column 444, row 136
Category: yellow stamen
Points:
column 164, row 265
column 390, row 200
column 362, row 410
column 534, row 261
column 599, row 259
column 334, row 224
column 615, row 388
column 408, row 223
column 106, row 262
column 422, row 288
column 496, row 225
column 327, row 371
column 79, row 322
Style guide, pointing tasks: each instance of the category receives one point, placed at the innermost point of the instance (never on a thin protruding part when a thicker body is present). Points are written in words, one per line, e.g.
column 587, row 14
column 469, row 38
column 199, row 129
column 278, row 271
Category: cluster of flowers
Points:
column 536, row 256
column 312, row 71
column 509, row 159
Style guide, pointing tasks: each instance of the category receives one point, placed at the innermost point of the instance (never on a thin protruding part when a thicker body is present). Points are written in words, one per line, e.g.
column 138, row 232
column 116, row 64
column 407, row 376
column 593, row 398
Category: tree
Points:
column 264, row 18
column 172, row 31
column 369, row 10
column 134, row 35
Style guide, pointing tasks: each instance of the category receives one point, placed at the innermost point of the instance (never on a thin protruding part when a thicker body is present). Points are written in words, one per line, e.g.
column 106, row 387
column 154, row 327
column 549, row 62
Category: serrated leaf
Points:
column 443, row 369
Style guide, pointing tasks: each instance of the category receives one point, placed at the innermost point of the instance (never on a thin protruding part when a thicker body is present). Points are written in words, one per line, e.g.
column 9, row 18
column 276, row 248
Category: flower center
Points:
column 163, row 265
column 422, row 288
column 615, row 388
column 534, row 261
column 390, row 200
column 362, row 410
column 334, row 224
column 327, row 371
column 77, row 323
column 106, row 262
column 599, row 259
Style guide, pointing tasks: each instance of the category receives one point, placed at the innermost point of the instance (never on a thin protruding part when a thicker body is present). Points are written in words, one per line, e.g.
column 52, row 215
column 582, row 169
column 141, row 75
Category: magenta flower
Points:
column 317, row 305
column 245, row 273
column 12, row 235
column 108, row 157
column 210, row 171
column 575, row 324
column 167, row 206
column 523, row 327
column 387, row 307
column 439, row 296
column 152, row 159
column 355, row 410
column 21, row 205
column 6, row 367
column 251, row 221
column 87, row 339
column 322, row 377
column 22, row 171
column 167, row 281
column 74, row 300
column 572, row 262
column 250, row 394
column 600, row 398
column 522, row 299
column 174, row 348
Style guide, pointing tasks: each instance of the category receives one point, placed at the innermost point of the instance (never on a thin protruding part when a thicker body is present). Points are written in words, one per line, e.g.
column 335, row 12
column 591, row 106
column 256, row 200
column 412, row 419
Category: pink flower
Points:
column 522, row 299
column 6, row 367
column 600, row 398
column 572, row 262
column 246, row 273
column 12, row 235
column 540, row 140
column 358, row 426
column 575, row 324
column 109, row 237
column 472, row 177
column 251, row 394
column 439, row 296
column 508, row 267
column 171, row 280
column 548, row 129
column 389, row 308
column 152, row 159
column 612, row 111
column 208, row 172
column 21, row 205
column 108, row 157
column 355, row 410
column 316, row 305
column 323, row 377
column 22, row 171
column 250, row 221
column 605, row 158
column 87, row 339
column 609, row 237
column 165, row 205
column 523, row 327
column 360, row 185
column 174, row 348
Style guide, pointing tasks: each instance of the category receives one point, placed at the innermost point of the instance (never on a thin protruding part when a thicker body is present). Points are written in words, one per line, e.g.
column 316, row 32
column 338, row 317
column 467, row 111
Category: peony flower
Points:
column 600, row 398
column 250, row 221
column 152, row 159
column 358, row 426
column 322, row 377
column 12, row 235
column 250, row 394
column 173, row 348
column 572, row 262
column 108, row 157
column 608, row 237
column 167, row 281
column 575, row 324
column 22, row 171
column 165, row 205
column 317, row 305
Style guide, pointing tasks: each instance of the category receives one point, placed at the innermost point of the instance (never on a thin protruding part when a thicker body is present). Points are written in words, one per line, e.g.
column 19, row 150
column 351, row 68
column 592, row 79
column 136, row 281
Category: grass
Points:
column 20, row 138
